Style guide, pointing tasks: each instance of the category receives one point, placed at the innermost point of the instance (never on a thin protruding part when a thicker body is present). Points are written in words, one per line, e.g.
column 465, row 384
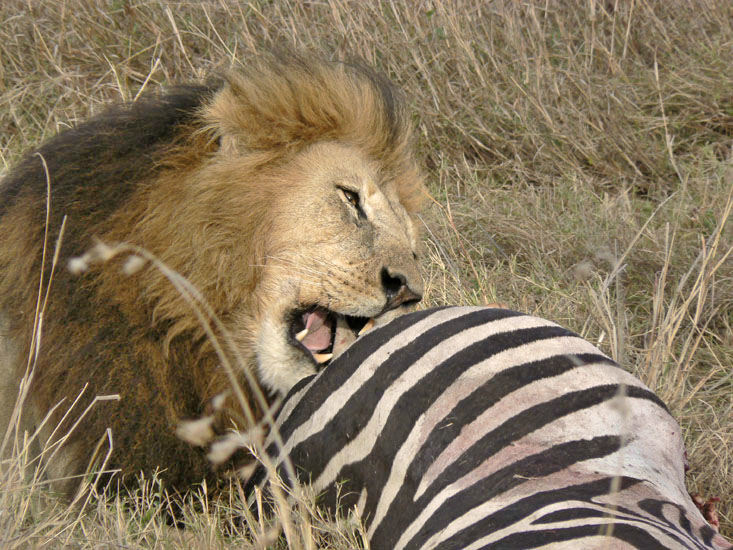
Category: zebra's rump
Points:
column 476, row 428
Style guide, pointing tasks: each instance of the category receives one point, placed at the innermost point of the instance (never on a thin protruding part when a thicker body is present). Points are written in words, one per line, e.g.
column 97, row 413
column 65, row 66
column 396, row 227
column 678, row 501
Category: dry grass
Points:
column 580, row 155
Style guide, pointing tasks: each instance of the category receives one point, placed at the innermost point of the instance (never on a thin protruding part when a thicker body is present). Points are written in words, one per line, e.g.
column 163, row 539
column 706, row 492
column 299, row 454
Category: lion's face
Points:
column 341, row 252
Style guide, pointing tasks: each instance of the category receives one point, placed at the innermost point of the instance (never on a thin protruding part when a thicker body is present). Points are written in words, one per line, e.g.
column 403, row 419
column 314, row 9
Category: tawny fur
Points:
column 235, row 187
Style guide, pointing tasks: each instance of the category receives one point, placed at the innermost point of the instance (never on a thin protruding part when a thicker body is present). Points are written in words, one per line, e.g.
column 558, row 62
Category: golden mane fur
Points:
column 246, row 188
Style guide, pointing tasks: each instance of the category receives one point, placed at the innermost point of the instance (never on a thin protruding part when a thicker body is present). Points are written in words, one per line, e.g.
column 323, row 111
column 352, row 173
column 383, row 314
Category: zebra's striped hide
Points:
column 478, row 428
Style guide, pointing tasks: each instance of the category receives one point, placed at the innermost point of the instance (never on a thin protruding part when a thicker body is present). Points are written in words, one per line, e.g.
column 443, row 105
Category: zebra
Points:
column 482, row 428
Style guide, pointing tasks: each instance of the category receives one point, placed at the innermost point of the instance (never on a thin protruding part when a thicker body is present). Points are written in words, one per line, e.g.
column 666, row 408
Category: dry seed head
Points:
column 270, row 536
column 133, row 264
column 217, row 402
column 79, row 265
column 196, row 432
column 620, row 402
column 101, row 252
column 604, row 254
column 223, row 448
column 245, row 472
column 583, row 271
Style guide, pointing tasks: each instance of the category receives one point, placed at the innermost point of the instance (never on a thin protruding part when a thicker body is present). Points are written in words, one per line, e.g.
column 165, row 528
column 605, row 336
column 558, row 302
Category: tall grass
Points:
column 580, row 157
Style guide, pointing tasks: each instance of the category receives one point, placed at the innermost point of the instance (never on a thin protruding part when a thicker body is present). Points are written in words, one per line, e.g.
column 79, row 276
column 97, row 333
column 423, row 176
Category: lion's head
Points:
column 287, row 196
column 302, row 218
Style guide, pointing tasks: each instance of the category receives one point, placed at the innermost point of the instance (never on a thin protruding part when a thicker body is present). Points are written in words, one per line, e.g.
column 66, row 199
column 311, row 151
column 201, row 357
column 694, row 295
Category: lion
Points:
column 286, row 194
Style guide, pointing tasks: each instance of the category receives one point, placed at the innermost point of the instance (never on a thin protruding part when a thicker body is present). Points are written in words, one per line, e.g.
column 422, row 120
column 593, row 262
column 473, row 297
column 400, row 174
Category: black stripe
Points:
column 517, row 511
column 635, row 536
column 541, row 464
column 656, row 508
column 512, row 430
column 578, row 512
column 300, row 384
column 623, row 515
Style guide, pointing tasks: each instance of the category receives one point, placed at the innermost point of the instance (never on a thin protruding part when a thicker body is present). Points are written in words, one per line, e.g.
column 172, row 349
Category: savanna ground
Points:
column 579, row 156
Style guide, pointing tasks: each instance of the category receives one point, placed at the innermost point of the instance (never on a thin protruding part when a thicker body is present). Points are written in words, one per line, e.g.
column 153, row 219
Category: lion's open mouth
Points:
column 324, row 334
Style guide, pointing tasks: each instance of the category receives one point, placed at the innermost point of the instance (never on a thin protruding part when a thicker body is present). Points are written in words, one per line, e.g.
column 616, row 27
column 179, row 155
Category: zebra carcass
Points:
column 479, row 428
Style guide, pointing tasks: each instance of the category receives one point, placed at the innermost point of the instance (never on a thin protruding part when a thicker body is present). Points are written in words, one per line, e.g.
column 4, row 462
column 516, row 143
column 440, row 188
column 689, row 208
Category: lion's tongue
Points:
column 319, row 330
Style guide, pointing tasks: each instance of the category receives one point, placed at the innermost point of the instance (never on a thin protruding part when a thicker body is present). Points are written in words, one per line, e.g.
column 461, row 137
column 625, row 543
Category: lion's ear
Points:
column 227, row 118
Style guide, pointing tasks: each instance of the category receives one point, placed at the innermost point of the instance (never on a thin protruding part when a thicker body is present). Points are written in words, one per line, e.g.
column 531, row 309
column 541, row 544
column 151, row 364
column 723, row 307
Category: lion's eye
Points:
column 352, row 197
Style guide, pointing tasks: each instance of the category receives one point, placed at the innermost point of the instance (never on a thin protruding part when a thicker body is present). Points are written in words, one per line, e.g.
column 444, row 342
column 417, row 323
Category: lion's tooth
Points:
column 368, row 326
column 302, row 334
column 322, row 357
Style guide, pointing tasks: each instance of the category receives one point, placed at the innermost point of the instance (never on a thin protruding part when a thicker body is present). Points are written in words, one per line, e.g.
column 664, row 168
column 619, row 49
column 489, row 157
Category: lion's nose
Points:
column 397, row 289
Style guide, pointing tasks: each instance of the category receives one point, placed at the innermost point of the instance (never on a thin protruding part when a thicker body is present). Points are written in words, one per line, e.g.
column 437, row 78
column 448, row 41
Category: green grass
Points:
column 580, row 158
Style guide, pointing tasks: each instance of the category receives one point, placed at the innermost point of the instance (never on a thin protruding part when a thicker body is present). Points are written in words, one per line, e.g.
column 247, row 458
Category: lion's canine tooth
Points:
column 302, row 334
column 322, row 357
column 368, row 326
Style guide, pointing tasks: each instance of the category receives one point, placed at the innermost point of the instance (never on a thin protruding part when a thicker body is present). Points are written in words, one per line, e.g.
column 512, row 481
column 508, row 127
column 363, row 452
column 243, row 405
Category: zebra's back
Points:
column 479, row 428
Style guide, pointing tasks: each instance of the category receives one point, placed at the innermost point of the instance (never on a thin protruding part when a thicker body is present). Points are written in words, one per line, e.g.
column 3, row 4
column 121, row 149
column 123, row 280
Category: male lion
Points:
column 287, row 196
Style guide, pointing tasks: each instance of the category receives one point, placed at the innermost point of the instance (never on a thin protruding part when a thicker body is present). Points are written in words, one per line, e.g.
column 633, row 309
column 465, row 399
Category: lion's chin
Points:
column 321, row 334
